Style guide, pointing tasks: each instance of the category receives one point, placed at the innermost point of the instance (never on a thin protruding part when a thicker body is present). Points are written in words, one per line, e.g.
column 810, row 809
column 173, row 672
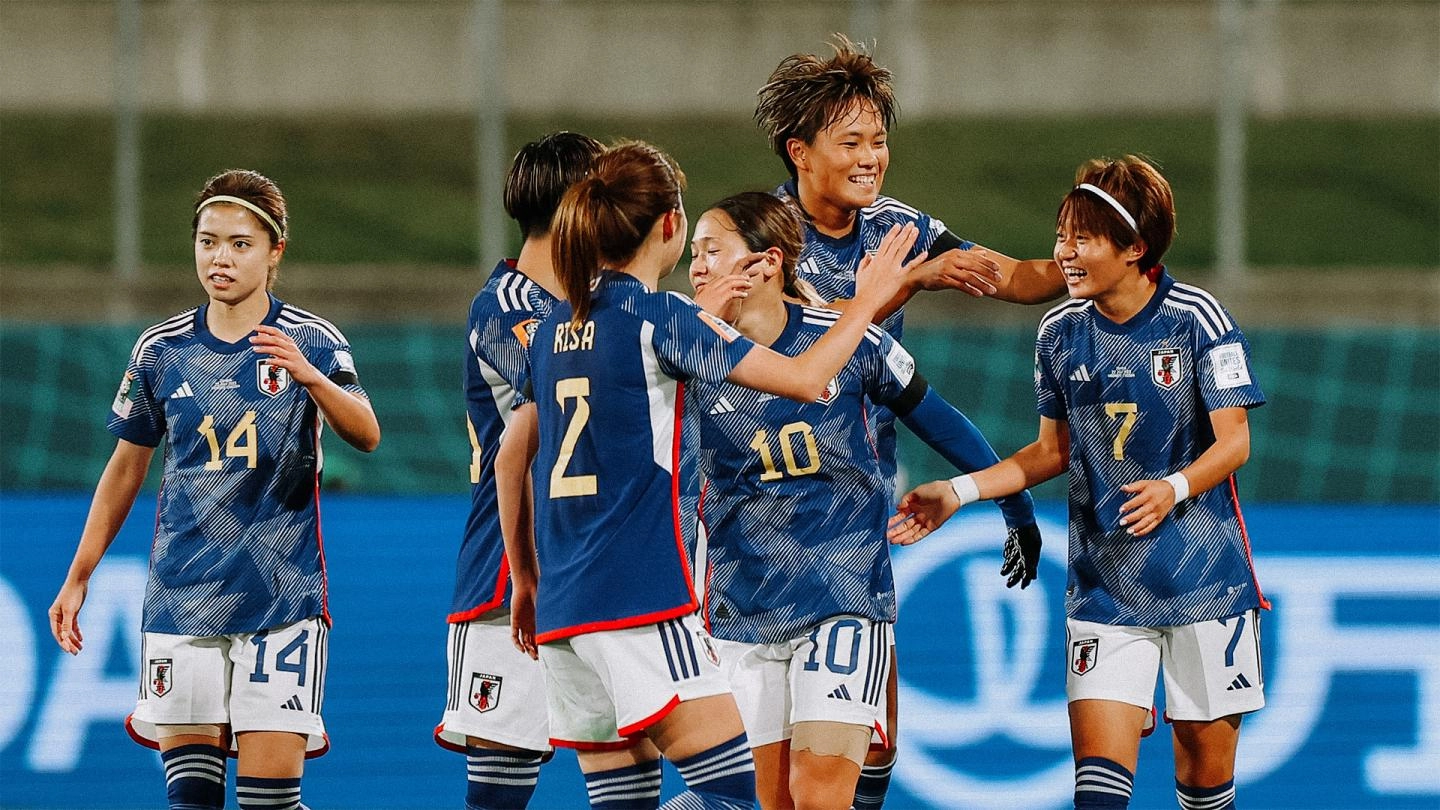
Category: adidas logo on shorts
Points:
column 1240, row 682
column 293, row 703
column 840, row 693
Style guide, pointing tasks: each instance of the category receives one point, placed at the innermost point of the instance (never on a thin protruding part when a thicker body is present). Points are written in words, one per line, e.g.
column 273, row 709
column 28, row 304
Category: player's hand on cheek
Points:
column 1152, row 502
column 285, row 353
column 722, row 296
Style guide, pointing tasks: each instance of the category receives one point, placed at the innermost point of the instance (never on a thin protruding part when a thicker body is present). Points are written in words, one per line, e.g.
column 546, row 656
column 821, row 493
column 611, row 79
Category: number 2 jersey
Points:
column 795, row 503
column 611, row 469
column 237, row 543
column 1137, row 398
column 502, row 317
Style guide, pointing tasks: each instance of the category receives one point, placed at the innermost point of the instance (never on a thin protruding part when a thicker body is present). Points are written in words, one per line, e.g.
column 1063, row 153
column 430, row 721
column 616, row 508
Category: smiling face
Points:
column 1094, row 268
column 233, row 253
column 844, row 168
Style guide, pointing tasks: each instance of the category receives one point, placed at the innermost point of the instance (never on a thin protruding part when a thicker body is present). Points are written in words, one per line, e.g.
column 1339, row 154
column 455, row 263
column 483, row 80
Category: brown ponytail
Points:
column 604, row 218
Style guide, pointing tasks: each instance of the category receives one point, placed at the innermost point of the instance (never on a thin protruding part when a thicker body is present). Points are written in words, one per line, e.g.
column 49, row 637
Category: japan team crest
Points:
column 161, row 679
column 484, row 691
column 1084, row 654
column 272, row 379
column 1165, row 367
column 832, row 390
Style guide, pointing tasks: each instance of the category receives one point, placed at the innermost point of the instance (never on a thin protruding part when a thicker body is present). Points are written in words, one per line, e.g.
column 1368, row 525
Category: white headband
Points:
column 259, row 212
column 1114, row 203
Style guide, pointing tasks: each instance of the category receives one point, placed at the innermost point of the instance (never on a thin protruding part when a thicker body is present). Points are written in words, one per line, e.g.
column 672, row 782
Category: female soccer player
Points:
column 629, row 673
column 235, row 619
column 800, row 594
column 829, row 120
column 1143, row 385
column 495, row 710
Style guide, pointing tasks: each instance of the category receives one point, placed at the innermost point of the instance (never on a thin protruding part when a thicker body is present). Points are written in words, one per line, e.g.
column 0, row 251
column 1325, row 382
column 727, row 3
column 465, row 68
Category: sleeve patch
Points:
column 723, row 329
column 901, row 364
column 123, row 403
column 1227, row 363
column 345, row 361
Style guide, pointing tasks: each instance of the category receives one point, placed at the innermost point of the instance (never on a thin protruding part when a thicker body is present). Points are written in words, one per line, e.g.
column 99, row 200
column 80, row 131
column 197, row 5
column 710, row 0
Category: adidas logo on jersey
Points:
column 1081, row 374
column 840, row 693
column 293, row 703
column 765, row 397
column 183, row 391
column 1240, row 682
column 723, row 406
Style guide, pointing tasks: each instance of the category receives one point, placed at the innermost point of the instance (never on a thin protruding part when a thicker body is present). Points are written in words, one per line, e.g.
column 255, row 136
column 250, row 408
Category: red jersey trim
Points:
column 446, row 744
column 1245, row 538
column 562, row 633
column 496, row 601
column 617, row 745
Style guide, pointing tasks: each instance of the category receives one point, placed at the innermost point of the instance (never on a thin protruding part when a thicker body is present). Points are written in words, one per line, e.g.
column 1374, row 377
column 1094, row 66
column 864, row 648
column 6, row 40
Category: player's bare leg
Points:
column 1205, row 761
column 772, row 776
column 825, row 762
column 705, row 739
column 1105, row 736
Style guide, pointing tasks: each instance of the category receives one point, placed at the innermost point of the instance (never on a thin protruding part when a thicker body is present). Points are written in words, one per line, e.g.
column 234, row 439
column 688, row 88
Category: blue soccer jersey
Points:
column 610, row 532
column 830, row 264
column 237, row 539
column 1137, row 398
column 795, row 502
column 502, row 318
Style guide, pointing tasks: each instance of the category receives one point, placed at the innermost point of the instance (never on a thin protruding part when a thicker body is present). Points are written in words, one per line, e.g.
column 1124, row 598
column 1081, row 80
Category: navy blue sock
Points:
column 1102, row 783
column 195, row 777
column 873, row 785
column 1220, row 797
column 500, row 780
column 634, row 787
column 261, row 793
column 718, row 778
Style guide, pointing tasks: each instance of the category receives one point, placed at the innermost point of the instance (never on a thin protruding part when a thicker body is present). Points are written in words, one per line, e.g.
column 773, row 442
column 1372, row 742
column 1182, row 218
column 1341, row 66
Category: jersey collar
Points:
column 1146, row 313
column 202, row 330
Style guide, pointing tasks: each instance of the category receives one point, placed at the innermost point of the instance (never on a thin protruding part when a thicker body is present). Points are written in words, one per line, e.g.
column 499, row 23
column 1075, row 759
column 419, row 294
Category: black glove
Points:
column 1022, row 556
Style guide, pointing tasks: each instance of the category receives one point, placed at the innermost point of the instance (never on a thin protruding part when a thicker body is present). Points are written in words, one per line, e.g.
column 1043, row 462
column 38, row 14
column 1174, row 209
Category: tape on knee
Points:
column 827, row 738
column 166, row 730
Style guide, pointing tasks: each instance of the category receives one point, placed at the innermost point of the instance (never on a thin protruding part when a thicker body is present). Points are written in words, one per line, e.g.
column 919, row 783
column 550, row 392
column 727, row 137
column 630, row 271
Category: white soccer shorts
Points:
column 273, row 680
column 836, row 672
column 495, row 692
column 1211, row 669
column 607, row 687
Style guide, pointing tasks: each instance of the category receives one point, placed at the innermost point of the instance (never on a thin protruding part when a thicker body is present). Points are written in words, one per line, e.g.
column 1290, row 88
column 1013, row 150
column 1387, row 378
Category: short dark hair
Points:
column 1139, row 187
column 807, row 94
column 539, row 175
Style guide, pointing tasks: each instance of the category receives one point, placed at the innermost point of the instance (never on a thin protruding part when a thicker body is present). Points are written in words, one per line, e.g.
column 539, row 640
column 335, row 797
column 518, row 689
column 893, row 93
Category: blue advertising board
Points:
column 1352, row 666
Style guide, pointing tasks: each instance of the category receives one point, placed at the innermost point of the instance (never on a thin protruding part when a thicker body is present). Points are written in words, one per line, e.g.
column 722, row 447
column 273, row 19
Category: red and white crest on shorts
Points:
column 1165, row 367
column 1084, row 654
column 484, row 691
column 161, row 678
column 271, row 379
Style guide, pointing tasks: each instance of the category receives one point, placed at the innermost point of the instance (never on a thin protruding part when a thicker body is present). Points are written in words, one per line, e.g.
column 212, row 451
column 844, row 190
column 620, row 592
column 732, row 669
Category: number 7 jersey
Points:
column 1137, row 397
column 237, row 533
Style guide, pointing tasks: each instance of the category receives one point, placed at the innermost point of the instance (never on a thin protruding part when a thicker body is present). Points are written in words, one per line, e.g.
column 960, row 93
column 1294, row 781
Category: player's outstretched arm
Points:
column 803, row 377
column 114, row 496
column 349, row 415
column 1154, row 498
column 1028, row 281
column 514, row 500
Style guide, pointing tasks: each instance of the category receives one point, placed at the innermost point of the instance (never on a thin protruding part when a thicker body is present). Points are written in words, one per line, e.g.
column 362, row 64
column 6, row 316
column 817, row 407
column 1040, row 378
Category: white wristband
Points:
column 965, row 489
column 1181, row 485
